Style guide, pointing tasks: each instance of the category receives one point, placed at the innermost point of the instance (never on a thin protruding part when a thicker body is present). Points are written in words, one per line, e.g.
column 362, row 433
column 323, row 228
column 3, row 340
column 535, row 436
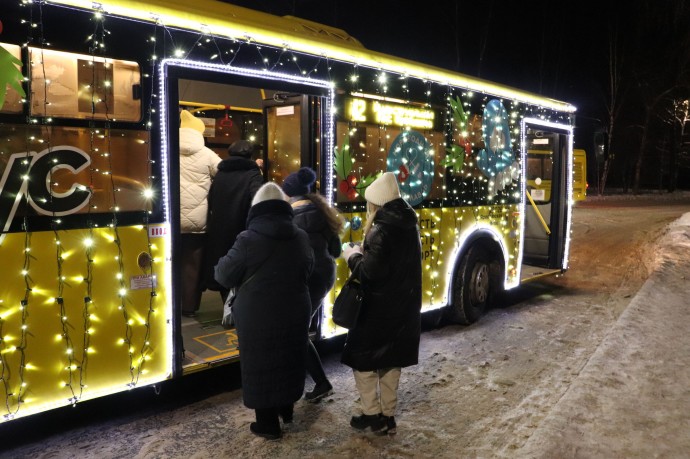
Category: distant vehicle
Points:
column 90, row 99
column 580, row 184
column 540, row 169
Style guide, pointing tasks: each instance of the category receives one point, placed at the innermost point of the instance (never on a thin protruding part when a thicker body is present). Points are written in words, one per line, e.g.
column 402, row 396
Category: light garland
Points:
column 461, row 203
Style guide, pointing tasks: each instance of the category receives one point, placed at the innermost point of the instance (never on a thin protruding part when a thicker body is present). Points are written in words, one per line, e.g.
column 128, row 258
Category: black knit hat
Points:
column 241, row 148
column 299, row 183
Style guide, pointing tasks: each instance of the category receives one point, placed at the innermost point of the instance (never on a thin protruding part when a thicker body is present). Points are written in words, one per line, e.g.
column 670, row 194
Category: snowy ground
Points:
column 577, row 366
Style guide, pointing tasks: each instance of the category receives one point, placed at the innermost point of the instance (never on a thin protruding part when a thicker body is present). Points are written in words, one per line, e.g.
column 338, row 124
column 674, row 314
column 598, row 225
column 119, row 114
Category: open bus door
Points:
column 546, row 201
column 294, row 138
column 292, row 134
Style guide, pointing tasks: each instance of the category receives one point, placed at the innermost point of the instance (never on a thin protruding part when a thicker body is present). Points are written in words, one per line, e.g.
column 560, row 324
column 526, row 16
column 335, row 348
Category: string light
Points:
column 461, row 199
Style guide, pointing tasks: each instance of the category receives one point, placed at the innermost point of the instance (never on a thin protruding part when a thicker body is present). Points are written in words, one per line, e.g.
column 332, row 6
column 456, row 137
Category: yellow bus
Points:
column 89, row 195
column 580, row 184
column 540, row 169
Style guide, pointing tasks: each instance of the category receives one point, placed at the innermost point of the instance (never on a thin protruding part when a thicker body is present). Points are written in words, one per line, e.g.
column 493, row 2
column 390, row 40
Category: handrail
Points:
column 536, row 209
column 202, row 106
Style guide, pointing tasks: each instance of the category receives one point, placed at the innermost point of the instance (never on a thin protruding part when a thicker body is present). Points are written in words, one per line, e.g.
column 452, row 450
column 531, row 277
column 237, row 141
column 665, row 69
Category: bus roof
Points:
column 223, row 19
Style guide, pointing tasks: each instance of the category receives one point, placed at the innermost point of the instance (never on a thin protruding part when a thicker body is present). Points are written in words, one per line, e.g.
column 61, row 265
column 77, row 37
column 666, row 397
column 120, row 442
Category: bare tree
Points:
column 613, row 103
column 659, row 90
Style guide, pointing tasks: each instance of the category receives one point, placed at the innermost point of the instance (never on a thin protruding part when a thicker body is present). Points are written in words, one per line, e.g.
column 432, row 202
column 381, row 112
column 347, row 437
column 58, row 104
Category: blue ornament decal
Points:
column 497, row 153
column 412, row 160
column 355, row 223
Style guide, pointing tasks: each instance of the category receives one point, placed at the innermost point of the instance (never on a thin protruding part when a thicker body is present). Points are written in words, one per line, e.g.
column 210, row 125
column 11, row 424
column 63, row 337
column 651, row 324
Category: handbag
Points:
column 348, row 304
column 228, row 321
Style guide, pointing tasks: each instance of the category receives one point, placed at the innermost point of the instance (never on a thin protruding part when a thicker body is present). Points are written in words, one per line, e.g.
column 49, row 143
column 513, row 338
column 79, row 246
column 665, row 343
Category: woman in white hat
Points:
column 386, row 336
column 269, row 266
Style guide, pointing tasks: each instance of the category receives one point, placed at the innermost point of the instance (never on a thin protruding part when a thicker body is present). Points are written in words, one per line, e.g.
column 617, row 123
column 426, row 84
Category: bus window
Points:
column 13, row 100
column 117, row 181
column 373, row 149
column 540, row 166
column 81, row 86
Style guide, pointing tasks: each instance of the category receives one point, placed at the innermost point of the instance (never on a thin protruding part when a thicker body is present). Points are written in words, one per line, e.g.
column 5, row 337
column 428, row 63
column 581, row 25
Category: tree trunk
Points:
column 640, row 155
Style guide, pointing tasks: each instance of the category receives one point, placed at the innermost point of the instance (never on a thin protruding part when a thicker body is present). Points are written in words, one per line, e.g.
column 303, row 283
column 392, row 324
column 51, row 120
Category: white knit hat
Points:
column 267, row 192
column 187, row 120
column 382, row 190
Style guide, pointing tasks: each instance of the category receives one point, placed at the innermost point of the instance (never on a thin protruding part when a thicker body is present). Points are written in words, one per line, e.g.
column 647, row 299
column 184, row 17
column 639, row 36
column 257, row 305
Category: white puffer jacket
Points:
column 198, row 166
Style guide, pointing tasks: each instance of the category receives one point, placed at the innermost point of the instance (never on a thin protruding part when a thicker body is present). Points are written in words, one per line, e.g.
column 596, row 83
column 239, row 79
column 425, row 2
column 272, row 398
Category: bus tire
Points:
column 471, row 287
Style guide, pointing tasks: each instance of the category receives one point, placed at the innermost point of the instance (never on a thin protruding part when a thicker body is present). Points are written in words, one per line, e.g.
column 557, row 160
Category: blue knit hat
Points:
column 299, row 183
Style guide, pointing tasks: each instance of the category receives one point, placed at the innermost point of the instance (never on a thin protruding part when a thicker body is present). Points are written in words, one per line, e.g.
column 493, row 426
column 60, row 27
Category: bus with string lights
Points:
column 90, row 177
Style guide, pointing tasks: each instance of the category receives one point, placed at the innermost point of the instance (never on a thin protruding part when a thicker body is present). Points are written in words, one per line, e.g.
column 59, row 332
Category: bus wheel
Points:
column 472, row 284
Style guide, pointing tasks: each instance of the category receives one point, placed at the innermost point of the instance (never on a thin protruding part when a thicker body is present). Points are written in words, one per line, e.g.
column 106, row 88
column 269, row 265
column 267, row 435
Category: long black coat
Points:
column 390, row 270
column 312, row 220
column 271, row 263
column 229, row 200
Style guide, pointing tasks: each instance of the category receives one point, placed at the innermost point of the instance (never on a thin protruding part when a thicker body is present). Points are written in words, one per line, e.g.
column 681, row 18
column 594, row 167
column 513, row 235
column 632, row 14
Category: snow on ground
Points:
column 595, row 363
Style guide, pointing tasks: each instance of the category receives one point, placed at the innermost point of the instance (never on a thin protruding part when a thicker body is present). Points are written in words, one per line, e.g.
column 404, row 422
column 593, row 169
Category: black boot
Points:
column 320, row 391
column 390, row 427
column 267, row 424
column 322, row 387
column 286, row 412
column 375, row 422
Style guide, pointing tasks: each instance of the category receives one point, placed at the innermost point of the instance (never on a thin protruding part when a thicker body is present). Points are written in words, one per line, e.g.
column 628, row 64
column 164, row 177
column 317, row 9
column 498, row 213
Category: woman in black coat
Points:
column 386, row 336
column 229, row 199
column 323, row 225
column 269, row 265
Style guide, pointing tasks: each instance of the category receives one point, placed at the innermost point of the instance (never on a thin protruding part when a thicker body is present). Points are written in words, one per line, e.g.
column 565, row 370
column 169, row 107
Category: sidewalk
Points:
column 632, row 398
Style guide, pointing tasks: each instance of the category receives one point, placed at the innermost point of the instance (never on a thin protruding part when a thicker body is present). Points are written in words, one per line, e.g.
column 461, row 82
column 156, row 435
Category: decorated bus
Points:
column 90, row 102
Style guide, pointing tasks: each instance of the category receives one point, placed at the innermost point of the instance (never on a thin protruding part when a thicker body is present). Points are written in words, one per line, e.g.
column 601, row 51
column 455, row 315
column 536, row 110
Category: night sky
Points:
column 558, row 49
column 547, row 47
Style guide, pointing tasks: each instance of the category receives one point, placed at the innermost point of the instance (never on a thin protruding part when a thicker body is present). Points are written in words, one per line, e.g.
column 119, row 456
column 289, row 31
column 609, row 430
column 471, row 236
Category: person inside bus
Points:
column 269, row 266
column 237, row 180
column 323, row 224
column 198, row 165
column 386, row 336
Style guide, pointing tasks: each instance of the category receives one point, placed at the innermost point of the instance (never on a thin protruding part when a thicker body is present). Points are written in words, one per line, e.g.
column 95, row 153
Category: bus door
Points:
column 546, row 200
column 283, row 122
column 292, row 135
column 294, row 138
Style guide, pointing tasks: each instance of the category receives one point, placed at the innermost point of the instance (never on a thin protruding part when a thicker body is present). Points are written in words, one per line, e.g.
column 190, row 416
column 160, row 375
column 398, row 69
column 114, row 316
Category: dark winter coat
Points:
column 271, row 263
column 229, row 200
column 390, row 270
column 312, row 220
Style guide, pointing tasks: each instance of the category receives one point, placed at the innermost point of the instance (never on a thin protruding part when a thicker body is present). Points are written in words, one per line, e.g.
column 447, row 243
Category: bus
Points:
column 580, row 184
column 89, row 195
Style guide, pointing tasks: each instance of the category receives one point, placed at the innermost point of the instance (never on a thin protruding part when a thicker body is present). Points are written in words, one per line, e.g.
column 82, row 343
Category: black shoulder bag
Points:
column 348, row 304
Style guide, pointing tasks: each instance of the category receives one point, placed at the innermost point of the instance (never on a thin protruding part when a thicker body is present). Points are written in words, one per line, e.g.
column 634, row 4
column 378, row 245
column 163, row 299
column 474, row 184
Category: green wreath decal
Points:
column 456, row 153
column 348, row 183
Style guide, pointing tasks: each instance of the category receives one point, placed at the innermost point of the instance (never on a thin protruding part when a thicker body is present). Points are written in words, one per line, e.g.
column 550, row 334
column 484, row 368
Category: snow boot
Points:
column 373, row 421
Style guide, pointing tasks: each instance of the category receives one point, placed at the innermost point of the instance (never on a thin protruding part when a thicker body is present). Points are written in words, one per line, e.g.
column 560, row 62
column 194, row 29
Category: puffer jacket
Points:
column 312, row 220
column 269, row 265
column 198, row 166
column 390, row 271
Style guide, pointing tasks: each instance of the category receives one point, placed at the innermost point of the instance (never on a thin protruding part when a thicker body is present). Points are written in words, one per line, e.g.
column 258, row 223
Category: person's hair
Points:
column 371, row 215
column 333, row 218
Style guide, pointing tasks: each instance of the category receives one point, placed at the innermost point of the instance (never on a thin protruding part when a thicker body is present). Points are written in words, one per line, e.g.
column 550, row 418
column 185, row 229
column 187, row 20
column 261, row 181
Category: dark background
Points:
column 570, row 51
